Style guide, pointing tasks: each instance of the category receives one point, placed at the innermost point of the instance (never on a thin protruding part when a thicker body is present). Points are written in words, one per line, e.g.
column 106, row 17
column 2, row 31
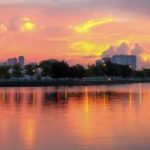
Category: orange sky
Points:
column 78, row 35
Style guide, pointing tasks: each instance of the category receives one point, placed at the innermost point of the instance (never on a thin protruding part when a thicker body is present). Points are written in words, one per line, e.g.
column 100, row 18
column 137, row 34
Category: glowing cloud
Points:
column 87, row 26
column 27, row 25
column 88, row 48
column 145, row 57
column 3, row 28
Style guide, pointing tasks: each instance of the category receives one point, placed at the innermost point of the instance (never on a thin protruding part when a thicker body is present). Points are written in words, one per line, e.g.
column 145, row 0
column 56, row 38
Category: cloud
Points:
column 125, row 49
column 142, row 6
column 109, row 52
column 122, row 6
column 122, row 49
column 141, row 56
column 3, row 28
column 87, row 26
column 52, row 36
column 137, row 50
column 18, row 23
column 85, row 48
column 27, row 25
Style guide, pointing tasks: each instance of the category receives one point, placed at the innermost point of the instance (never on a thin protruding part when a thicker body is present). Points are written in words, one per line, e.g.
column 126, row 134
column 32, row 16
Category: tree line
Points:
column 61, row 69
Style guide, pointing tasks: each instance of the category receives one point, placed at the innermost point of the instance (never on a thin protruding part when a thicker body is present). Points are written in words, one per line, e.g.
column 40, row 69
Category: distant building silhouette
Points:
column 12, row 61
column 21, row 60
column 129, row 60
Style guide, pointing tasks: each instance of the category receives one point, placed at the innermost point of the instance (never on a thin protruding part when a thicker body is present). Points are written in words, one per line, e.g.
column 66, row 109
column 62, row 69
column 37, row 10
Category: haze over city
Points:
column 79, row 31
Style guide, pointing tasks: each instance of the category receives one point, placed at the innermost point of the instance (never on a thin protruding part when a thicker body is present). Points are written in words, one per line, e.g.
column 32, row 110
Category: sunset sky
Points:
column 79, row 31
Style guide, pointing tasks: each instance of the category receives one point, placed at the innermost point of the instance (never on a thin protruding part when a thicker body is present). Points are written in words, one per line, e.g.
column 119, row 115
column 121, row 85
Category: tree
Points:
column 60, row 69
column 17, row 70
column 89, row 71
column 143, row 73
column 31, row 69
column 95, row 70
column 46, row 67
column 112, row 70
column 77, row 71
column 4, row 71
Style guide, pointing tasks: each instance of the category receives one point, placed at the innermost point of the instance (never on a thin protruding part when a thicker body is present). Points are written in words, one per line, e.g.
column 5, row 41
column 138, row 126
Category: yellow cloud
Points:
column 145, row 57
column 3, row 28
column 87, row 26
column 88, row 48
column 27, row 25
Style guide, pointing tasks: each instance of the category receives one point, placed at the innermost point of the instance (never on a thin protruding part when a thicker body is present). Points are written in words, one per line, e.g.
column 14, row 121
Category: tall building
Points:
column 12, row 61
column 9, row 61
column 21, row 60
column 129, row 60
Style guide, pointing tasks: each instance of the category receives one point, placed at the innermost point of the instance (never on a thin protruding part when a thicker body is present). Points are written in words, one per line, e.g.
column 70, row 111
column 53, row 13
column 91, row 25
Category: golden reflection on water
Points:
column 28, row 132
column 130, row 97
column 140, row 93
column 105, row 99
column 106, row 117
column 86, row 100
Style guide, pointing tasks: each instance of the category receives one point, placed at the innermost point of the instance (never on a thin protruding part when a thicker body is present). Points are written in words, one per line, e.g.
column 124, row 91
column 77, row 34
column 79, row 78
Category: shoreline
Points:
column 8, row 83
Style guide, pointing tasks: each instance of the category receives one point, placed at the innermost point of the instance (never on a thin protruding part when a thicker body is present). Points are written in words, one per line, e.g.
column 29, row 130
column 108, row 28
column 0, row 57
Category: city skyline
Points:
column 14, row 61
column 78, row 31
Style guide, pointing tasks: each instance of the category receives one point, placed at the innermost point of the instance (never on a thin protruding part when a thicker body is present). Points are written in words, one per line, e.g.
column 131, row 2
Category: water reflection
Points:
column 98, row 117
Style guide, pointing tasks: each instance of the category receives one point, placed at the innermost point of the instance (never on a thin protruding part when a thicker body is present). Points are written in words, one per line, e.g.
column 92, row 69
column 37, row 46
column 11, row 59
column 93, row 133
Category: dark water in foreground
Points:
column 77, row 118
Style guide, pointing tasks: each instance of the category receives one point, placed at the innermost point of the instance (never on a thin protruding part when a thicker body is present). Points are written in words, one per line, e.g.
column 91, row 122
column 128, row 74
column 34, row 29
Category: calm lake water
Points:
column 75, row 118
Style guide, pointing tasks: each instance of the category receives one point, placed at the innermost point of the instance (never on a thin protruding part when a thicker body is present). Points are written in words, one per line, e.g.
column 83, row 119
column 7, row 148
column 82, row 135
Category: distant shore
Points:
column 29, row 83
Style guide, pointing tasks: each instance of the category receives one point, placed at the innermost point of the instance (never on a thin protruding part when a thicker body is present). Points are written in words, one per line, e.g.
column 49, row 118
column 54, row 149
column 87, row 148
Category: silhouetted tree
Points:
column 89, row 72
column 111, row 70
column 4, row 71
column 77, row 71
column 60, row 69
column 31, row 69
column 46, row 67
column 140, row 74
column 17, row 70
column 143, row 73
column 96, row 70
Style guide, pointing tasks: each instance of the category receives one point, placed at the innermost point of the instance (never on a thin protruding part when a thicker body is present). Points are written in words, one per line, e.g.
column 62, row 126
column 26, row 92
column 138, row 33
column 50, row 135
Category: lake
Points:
column 115, row 117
